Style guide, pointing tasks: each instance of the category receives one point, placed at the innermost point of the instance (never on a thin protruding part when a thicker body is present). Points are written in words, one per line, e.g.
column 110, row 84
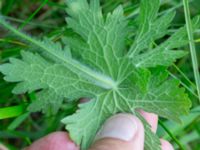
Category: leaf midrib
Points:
column 96, row 78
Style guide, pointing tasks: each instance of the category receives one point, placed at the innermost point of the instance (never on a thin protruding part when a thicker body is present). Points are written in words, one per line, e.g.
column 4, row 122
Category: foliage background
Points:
column 18, row 128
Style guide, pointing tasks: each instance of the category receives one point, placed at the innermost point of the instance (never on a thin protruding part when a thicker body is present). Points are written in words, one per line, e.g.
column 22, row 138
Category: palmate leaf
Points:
column 95, row 64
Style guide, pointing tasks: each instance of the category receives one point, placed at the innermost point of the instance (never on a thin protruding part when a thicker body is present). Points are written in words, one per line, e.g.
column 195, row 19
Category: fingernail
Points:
column 121, row 126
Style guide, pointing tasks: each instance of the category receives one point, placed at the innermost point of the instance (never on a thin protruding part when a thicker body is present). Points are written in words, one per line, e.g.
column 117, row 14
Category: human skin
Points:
column 107, row 140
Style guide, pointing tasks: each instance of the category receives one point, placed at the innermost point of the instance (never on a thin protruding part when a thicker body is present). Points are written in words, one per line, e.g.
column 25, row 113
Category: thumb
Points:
column 120, row 132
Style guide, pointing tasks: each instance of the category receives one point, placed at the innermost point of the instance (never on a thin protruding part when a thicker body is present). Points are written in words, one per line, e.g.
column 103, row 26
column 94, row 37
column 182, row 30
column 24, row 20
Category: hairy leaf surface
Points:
column 94, row 62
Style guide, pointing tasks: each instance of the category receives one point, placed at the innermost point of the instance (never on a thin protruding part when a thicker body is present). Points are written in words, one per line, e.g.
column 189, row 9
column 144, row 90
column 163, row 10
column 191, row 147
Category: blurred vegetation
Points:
column 43, row 17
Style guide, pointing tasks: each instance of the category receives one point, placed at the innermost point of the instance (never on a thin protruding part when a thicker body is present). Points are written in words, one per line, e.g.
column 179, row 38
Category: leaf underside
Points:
column 95, row 63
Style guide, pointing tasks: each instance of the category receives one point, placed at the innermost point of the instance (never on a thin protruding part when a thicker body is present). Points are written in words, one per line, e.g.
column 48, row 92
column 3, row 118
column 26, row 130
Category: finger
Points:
column 2, row 147
column 120, row 132
column 151, row 118
column 54, row 141
column 165, row 145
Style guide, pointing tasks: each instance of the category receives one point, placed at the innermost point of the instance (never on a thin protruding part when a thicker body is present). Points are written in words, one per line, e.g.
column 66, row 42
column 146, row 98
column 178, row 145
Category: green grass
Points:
column 192, row 45
column 12, row 111
column 32, row 15
column 19, row 128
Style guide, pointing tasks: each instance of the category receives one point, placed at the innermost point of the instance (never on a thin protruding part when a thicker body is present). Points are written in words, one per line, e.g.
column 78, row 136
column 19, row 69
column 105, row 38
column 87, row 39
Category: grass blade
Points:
column 32, row 15
column 192, row 45
column 181, row 147
column 12, row 111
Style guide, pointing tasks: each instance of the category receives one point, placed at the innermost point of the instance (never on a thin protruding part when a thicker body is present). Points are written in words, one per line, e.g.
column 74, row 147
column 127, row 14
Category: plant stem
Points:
column 192, row 45
column 171, row 135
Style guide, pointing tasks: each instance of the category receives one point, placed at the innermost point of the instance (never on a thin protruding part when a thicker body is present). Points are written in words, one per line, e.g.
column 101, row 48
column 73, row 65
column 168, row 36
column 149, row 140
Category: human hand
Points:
column 120, row 132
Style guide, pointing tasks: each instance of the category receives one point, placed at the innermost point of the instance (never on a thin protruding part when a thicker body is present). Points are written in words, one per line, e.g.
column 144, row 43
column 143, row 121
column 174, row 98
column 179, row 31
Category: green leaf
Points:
column 163, row 54
column 35, row 73
column 153, row 28
column 147, row 17
column 164, row 96
column 151, row 140
column 47, row 101
column 99, row 35
column 158, row 58
column 93, row 62
column 82, row 128
column 54, row 52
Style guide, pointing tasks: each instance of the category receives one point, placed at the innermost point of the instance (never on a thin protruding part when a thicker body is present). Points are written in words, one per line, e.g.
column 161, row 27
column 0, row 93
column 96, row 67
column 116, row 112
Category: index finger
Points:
column 151, row 118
